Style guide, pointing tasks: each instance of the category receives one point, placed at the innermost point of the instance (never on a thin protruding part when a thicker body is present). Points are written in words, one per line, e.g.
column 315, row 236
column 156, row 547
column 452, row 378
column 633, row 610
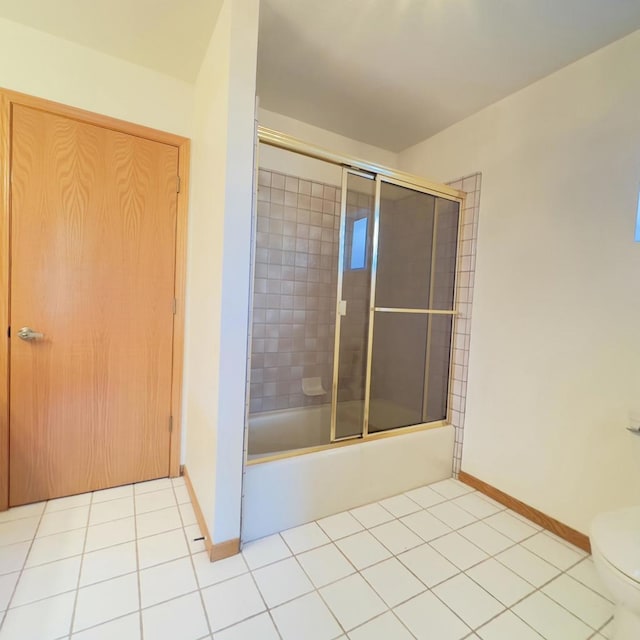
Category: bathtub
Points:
column 273, row 432
column 288, row 492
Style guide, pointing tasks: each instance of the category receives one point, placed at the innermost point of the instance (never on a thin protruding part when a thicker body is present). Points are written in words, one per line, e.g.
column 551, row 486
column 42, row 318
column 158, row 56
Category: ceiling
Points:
column 387, row 72
column 170, row 36
column 394, row 72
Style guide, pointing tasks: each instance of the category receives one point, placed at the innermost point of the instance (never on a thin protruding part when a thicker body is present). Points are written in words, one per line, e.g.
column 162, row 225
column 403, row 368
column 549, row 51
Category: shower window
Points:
column 359, row 244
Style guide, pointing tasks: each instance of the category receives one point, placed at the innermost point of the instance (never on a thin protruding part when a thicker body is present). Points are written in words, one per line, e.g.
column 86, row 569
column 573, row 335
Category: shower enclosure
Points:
column 353, row 305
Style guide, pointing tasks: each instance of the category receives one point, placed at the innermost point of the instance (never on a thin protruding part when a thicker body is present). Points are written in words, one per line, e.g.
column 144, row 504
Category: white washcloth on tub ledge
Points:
column 313, row 387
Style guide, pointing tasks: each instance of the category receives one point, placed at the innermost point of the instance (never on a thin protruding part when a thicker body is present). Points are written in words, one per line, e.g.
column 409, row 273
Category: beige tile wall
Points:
column 294, row 300
column 464, row 298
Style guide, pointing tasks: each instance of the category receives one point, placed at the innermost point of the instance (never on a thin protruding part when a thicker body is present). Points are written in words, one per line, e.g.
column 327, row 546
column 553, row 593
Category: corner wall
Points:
column 555, row 353
column 218, row 271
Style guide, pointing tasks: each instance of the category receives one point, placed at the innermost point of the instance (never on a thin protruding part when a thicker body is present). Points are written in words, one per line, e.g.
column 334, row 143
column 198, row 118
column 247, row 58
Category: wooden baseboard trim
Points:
column 202, row 523
column 551, row 524
column 218, row 551
column 223, row 550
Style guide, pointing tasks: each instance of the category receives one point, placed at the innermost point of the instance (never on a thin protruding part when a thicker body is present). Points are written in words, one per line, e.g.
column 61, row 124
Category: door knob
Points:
column 26, row 333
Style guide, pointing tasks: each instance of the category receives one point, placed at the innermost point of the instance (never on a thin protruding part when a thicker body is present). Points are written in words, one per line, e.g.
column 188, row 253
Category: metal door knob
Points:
column 26, row 333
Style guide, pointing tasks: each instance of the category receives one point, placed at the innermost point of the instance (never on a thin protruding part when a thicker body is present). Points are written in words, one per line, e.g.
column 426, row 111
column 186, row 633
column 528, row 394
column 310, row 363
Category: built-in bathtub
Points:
column 273, row 432
column 287, row 492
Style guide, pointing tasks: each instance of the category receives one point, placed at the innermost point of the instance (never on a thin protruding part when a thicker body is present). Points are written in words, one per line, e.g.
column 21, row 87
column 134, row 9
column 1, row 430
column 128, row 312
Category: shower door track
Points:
column 348, row 441
column 284, row 141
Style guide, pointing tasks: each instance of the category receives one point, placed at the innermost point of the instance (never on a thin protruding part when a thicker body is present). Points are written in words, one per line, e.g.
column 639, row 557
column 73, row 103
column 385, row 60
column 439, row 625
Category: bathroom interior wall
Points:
column 271, row 158
column 555, row 357
column 218, row 275
column 207, row 202
column 48, row 67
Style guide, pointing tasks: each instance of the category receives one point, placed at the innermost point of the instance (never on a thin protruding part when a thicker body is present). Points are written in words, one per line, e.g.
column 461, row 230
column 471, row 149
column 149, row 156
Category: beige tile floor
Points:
column 438, row 563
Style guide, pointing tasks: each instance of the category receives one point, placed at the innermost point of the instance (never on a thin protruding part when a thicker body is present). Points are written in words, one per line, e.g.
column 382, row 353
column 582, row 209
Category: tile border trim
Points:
column 562, row 530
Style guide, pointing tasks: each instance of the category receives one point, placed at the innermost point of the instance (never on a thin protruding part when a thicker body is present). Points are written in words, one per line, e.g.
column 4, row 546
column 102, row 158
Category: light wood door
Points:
column 93, row 236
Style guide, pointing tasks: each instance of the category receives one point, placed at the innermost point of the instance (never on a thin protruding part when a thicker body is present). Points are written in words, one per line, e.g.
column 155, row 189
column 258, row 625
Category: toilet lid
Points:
column 617, row 536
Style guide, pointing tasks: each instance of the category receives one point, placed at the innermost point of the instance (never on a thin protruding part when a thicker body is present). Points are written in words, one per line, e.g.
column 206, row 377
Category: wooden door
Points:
column 93, row 241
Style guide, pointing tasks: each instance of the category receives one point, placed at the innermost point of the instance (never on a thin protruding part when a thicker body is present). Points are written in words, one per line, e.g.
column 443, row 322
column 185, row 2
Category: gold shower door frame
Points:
column 379, row 173
column 373, row 309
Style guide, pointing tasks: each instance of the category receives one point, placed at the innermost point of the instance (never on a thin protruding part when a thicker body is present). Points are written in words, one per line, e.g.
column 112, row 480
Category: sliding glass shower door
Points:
column 395, row 310
column 353, row 305
column 413, row 308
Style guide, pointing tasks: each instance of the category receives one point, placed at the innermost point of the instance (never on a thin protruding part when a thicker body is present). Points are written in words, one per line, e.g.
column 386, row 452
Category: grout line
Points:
column 32, row 516
column 138, row 570
column 193, row 568
column 44, row 512
column 333, row 542
column 97, row 524
column 21, row 571
column 362, row 576
column 489, row 556
column 100, row 624
column 267, row 608
column 109, row 546
column 315, row 588
column 138, row 567
column 82, row 556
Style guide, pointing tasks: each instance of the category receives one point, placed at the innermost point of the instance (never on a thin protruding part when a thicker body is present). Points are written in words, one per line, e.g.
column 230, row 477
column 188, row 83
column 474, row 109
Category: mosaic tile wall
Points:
column 296, row 259
column 462, row 337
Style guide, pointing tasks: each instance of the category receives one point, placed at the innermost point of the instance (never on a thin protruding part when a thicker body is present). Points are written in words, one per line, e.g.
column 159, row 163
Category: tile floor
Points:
column 440, row 563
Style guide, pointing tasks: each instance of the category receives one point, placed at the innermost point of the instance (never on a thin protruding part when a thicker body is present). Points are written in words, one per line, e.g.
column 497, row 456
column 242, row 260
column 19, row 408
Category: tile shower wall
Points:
column 466, row 273
column 294, row 290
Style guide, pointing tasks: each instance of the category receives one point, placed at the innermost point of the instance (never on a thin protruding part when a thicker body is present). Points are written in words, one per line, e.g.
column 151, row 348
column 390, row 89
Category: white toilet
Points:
column 615, row 544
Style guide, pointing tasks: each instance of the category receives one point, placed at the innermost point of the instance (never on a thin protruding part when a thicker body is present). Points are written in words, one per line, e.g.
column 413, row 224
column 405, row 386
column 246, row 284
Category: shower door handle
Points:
column 342, row 308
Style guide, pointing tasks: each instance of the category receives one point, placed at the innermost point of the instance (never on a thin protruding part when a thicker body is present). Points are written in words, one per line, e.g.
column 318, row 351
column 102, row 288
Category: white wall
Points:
column 308, row 168
column 221, row 125
column 43, row 65
column 555, row 346
column 219, row 267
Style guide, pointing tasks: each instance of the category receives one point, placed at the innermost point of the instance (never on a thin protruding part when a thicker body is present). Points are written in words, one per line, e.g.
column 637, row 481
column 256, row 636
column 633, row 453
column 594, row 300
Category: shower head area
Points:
column 353, row 303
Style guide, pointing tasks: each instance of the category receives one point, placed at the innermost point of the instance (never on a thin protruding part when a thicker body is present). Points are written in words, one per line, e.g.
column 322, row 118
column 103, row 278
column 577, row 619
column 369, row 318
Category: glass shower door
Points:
column 355, row 261
column 413, row 309
column 395, row 306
